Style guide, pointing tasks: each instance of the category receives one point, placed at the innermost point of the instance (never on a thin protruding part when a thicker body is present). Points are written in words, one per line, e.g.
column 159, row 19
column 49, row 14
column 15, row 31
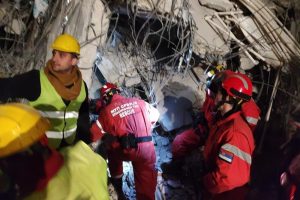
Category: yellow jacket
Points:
column 83, row 176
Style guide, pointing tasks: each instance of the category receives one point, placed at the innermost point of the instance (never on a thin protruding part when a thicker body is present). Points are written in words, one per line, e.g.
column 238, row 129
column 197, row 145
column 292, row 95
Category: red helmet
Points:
column 238, row 85
column 215, row 83
column 107, row 88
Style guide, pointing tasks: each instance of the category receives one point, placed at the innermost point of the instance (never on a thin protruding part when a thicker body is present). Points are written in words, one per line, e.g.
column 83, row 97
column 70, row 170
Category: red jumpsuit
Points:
column 228, row 156
column 184, row 143
column 251, row 112
column 131, row 115
column 188, row 140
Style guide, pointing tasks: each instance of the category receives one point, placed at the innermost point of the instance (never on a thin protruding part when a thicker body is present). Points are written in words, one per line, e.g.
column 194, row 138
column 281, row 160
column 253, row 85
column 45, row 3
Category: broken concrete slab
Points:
column 40, row 7
column 218, row 5
column 15, row 26
column 254, row 35
column 176, row 101
column 206, row 40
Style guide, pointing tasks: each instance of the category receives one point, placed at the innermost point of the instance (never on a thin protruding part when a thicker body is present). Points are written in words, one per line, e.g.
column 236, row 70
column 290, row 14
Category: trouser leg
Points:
column 115, row 164
column 145, row 175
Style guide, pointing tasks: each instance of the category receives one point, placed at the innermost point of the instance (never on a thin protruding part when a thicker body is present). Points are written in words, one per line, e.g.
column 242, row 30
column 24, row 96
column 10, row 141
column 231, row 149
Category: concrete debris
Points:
column 165, row 143
column 176, row 102
column 119, row 68
column 173, row 8
column 94, row 91
column 246, row 62
column 174, row 189
column 162, row 148
column 169, row 155
column 2, row 15
column 228, row 34
column 40, row 7
column 112, row 193
column 16, row 26
column 275, row 48
column 177, row 112
column 128, row 181
column 132, row 78
column 206, row 40
column 282, row 3
column 218, row 5
column 255, row 36
column 282, row 42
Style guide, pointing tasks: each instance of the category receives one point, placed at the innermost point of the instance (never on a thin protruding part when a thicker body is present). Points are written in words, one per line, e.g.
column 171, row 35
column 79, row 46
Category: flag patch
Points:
column 226, row 155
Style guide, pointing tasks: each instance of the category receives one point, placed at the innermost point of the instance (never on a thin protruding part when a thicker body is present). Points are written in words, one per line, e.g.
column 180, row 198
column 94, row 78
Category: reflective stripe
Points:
column 100, row 126
column 59, row 134
column 238, row 152
column 242, row 79
column 59, row 114
column 252, row 120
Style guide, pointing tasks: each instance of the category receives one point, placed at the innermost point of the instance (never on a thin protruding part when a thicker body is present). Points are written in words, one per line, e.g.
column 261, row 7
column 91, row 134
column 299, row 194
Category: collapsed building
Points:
column 159, row 50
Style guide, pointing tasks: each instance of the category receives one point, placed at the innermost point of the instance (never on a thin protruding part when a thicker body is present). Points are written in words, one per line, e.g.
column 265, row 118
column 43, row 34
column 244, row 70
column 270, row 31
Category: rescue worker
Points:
column 250, row 111
column 230, row 144
column 58, row 91
column 31, row 170
column 192, row 138
column 130, row 121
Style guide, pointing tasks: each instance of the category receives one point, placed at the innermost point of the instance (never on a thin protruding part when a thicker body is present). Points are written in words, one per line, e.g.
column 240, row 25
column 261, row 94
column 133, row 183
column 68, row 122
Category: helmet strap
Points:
column 234, row 102
column 236, row 106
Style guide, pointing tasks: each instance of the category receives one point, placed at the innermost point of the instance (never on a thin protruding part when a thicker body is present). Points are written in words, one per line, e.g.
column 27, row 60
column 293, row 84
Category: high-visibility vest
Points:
column 82, row 176
column 63, row 117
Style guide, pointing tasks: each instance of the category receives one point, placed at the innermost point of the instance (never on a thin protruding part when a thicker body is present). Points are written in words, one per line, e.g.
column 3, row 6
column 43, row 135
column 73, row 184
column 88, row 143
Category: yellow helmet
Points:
column 20, row 127
column 66, row 43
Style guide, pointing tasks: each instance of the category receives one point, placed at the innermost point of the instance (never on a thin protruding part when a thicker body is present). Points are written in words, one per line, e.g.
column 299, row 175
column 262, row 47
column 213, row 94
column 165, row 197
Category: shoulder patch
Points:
column 226, row 155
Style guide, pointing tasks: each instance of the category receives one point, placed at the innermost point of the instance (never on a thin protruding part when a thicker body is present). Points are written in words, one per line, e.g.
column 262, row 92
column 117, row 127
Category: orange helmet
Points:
column 238, row 85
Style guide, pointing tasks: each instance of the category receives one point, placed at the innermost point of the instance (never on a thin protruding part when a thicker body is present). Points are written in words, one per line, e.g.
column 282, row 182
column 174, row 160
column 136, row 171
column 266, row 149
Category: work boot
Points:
column 117, row 183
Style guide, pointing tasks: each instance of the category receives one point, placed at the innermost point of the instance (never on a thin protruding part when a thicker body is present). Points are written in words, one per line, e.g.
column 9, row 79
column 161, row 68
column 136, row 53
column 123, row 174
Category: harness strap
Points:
column 130, row 141
column 143, row 139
